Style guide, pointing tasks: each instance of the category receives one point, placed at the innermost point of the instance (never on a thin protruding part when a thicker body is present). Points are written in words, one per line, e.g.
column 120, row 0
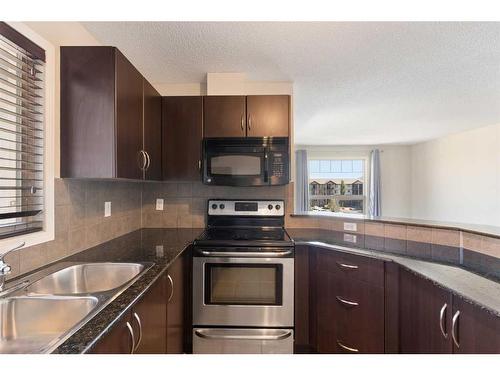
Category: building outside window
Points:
column 337, row 185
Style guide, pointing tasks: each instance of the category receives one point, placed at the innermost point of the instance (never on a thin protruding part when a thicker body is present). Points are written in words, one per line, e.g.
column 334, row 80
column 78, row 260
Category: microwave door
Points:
column 236, row 168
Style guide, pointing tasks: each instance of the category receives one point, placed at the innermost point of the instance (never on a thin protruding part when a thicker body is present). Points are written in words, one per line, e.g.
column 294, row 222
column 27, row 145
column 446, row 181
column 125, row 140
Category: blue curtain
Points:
column 374, row 203
column 301, row 182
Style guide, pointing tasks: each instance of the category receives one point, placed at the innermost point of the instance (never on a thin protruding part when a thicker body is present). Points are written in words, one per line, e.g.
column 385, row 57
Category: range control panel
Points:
column 222, row 207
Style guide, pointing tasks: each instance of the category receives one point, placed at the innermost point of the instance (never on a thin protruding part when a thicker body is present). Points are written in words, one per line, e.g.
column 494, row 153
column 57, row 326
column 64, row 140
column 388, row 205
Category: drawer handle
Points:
column 454, row 334
column 346, row 302
column 441, row 320
column 347, row 266
column 345, row 347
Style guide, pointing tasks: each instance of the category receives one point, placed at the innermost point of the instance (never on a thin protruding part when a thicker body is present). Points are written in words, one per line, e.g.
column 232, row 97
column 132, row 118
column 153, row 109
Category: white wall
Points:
column 457, row 178
column 395, row 164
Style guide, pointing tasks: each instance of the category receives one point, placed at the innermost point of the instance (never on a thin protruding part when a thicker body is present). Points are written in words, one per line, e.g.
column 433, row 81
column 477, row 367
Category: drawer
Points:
column 359, row 316
column 352, row 267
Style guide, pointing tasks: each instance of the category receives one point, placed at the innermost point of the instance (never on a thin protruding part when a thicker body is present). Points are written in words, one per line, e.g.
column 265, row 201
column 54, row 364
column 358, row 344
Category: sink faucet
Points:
column 4, row 267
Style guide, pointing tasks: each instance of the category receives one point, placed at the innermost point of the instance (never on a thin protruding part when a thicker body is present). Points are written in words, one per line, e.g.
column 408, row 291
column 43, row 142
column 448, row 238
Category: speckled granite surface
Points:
column 475, row 288
column 160, row 246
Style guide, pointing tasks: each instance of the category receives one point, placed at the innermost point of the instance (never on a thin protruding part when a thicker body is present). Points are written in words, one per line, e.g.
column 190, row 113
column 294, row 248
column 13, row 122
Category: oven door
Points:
column 244, row 292
column 234, row 163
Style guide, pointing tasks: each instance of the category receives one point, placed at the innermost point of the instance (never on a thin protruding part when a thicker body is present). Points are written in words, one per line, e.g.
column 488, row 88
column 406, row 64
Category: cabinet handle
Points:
column 242, row 123
column 199, row 165
column 132, row 337
column 346, row 302
column 347, row 266
column 352, row 350
column 136, row 317
column 144, row 160
column 454, row 333
column 249, row 122
column 148, row 161
column 172, row 288
column 441, row 320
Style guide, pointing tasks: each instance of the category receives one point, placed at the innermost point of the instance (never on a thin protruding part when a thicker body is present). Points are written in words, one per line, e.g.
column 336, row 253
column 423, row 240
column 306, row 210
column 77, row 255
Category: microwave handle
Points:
column 266, row 166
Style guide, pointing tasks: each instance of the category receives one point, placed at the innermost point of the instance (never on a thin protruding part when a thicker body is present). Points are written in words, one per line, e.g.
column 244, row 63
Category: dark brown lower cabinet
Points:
column 424, row 315
column 176, row 307
column 474, row 330
column 349, row 311
column 143, row 329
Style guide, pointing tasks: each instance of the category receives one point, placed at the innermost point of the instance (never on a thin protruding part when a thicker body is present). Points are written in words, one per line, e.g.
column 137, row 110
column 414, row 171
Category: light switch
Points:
column 159, row 204
column 350, row 238
column 107, row 209
column 353, row 227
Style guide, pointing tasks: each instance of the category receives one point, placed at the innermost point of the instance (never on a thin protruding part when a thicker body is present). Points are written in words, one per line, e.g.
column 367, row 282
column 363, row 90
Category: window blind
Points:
column 21, row 134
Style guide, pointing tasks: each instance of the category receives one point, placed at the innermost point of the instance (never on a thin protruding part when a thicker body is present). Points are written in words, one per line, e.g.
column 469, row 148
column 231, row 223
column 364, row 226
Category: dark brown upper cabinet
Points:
column 110, row 117
column 182, row 120
column 224, row 116
column 246, row 116
column 268, row 115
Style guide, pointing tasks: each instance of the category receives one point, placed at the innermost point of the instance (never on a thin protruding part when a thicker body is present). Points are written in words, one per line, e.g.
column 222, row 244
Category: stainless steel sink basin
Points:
column 31, row 324
column 86, row 278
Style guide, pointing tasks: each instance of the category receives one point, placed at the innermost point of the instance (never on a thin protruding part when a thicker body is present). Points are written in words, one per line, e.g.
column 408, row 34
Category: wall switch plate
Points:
column 353, row 227
column 107, row 209
column 350, row 238
column 159, row 251
column 159, row 204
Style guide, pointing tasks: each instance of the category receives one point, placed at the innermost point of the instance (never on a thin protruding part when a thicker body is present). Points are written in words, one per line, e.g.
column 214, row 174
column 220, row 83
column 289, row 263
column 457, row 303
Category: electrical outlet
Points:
column 159, row 251
column 159, row 204
column 350, row 238
column 107, row 209
column 353, row 227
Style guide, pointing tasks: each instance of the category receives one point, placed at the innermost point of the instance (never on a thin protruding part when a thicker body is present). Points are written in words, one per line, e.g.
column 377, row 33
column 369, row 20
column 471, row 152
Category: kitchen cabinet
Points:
column 474, row 330
column 143, row 328
column 349, row 303
column 268, row 115
column 110, row 117
column 149, row 318
column 424, row 317
column 246, row 116
column 224, row 116
column 182, row 122
column 176, row 309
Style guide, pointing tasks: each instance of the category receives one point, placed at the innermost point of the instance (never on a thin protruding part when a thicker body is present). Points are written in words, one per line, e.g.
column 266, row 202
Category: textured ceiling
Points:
column 354, row 83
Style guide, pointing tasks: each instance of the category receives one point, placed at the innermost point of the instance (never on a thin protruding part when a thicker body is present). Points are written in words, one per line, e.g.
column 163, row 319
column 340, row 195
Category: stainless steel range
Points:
column 243, row 279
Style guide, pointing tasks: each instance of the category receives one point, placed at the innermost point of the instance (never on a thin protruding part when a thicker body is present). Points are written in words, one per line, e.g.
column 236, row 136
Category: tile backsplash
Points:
column 80, row 222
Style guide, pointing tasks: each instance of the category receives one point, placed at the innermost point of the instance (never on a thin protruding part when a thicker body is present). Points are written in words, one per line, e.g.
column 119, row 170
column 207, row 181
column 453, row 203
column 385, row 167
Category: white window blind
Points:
column 21, row 134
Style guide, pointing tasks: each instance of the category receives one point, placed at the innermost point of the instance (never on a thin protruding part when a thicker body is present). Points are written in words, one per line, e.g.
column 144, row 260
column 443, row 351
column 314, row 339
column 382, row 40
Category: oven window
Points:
column 235, row 165
column 243, row 284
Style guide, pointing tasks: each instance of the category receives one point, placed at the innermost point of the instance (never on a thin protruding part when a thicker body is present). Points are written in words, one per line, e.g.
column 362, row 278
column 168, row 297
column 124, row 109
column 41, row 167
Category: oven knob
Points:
column 214, row 206
column 221, row 206
column 278, row 207
column 270, row 206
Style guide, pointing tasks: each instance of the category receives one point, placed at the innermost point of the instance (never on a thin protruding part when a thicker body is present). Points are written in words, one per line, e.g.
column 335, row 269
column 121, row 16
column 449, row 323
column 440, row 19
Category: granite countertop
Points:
column 481, row 291
column 159, row 246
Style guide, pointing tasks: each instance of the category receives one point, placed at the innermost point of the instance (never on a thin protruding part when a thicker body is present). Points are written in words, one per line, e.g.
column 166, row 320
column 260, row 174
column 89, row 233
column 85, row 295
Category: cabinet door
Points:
column 182, row 133
column 129, row 120
column 119, row 340
column 421, row 325
column 149, row 317
column 175, row 307
column 152, row 131
column 224, row 116
column 268, row 115
column 476, row 330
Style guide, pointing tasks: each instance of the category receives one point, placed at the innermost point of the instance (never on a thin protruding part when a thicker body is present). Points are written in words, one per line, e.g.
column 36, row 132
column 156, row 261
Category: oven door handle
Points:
column 238, row 254
column 203, row 333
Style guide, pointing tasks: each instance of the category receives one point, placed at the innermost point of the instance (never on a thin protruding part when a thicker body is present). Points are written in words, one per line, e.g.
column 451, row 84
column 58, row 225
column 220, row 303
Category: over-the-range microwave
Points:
column 246, row 161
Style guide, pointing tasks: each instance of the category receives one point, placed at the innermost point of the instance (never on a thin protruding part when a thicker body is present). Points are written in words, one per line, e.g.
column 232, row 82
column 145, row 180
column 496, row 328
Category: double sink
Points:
column 42, row 314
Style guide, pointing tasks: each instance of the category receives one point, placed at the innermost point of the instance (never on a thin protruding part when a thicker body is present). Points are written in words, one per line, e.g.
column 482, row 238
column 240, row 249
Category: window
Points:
column 337, row 185
column 22, row 134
